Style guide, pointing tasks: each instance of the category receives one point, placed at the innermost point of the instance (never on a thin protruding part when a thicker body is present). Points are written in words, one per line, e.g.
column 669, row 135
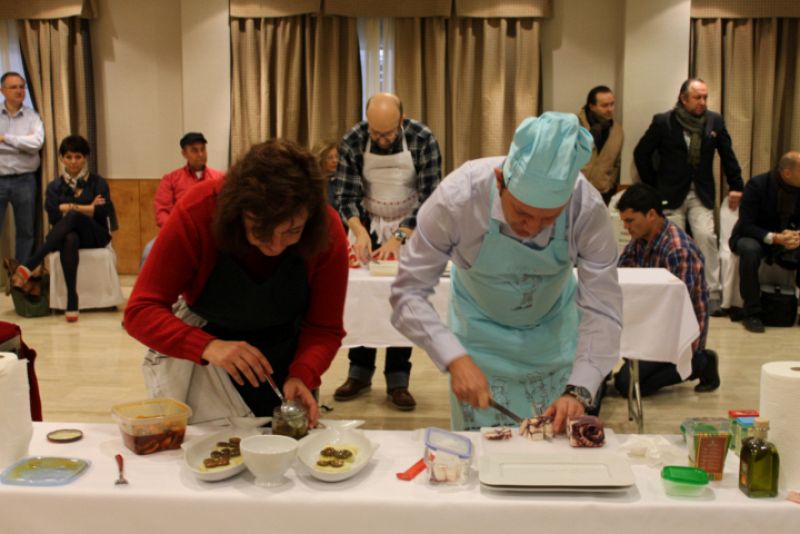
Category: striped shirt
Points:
column 675, row 251
column 348, row 185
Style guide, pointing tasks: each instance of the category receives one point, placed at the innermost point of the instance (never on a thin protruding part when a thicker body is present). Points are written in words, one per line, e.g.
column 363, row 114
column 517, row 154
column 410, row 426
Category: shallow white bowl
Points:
column 198, row 449
column 269, row 457
column 311, row 445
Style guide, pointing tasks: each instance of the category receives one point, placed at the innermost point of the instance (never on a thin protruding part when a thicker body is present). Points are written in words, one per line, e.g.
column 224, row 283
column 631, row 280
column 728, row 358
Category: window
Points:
column 376, row 45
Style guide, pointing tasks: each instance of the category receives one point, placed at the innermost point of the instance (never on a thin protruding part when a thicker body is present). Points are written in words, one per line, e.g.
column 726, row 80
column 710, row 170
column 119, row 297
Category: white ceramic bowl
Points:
column 198, row 449
column 311, row 445
column 268, row 458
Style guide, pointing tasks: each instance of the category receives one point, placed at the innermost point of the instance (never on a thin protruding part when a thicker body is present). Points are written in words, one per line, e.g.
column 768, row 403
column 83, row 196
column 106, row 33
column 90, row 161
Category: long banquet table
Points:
column 164, row 497
column 658, row 319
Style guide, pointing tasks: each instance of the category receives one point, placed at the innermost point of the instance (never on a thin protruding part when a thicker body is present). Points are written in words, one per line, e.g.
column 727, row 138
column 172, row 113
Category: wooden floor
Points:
column 86, row 367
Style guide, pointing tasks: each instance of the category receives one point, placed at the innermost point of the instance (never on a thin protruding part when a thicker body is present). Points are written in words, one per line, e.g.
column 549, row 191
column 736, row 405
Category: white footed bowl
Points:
column 268, row 458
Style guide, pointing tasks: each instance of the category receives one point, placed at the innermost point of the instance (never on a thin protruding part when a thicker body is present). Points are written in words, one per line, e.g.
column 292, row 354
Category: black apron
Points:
column 267, row 315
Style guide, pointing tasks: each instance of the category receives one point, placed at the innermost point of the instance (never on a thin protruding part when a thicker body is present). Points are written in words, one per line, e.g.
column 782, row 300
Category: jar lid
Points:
column 64, row 435
column 684, row 475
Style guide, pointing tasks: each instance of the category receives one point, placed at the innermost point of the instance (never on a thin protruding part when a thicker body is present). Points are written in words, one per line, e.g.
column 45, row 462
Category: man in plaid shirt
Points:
column 388, row 166
column 657, row 242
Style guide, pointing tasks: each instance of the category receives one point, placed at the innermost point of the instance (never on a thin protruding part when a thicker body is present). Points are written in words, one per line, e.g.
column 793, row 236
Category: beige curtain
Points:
column 58, row 64
column 471, row 80
column 296, row 77
column 752, row 67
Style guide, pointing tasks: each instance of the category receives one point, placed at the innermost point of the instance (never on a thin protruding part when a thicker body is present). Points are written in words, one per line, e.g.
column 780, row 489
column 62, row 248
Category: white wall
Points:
column 161, row 68
column 206, row 75
column 581, row 48
column 656, row 63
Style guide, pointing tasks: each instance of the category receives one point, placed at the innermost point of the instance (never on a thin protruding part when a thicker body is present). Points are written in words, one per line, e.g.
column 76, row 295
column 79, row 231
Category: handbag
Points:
column 33, row 298
column 778, row 306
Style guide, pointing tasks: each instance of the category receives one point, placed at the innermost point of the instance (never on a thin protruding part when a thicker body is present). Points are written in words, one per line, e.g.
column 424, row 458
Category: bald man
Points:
column 768, row 229
column 388, row 166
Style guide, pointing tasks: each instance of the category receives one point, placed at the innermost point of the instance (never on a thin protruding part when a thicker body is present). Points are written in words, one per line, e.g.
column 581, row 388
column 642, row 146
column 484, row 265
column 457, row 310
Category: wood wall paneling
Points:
column 133, row 200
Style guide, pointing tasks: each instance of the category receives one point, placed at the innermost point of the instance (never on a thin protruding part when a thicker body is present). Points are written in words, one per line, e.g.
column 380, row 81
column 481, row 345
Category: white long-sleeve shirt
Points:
column 452, row 225
column 23, row 138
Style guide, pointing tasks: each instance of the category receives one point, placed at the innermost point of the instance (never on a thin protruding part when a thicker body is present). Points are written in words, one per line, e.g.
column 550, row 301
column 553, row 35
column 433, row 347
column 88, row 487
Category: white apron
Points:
column 390, row 189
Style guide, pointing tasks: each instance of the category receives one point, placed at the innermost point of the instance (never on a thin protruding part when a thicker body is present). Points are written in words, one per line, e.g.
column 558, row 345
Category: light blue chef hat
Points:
column 546, row 154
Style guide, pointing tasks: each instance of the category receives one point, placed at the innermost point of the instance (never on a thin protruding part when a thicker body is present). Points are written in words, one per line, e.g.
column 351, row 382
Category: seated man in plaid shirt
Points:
column 657, row 242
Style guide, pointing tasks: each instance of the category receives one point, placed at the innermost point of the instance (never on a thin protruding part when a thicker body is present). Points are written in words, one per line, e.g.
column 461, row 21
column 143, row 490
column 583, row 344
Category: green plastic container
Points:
column 680, row 481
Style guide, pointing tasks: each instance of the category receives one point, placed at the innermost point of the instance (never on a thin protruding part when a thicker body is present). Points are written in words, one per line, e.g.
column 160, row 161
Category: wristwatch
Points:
column 400, row 236
column 580, row 393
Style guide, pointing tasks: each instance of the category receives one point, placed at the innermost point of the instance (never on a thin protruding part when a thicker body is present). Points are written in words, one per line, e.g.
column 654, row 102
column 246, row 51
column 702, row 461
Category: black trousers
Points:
column 656, row 375
column 750, row 253
column 73, row 232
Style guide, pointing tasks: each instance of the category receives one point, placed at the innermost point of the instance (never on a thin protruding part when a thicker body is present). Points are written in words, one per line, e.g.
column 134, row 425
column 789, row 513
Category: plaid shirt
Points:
column 348, row 185
column 675, row 251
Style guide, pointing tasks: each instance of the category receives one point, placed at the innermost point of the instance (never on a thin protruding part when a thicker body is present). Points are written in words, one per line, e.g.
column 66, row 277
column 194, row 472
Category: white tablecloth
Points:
column 658, row 319
column 164, row 497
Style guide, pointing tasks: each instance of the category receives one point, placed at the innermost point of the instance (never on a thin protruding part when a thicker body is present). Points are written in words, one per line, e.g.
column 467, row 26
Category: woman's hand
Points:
column 238, row 358
column 98, row 200
column 294, row 389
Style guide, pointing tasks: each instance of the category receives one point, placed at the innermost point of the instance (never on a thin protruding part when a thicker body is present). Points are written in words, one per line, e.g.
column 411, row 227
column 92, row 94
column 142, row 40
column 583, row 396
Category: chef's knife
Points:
column 505, row 411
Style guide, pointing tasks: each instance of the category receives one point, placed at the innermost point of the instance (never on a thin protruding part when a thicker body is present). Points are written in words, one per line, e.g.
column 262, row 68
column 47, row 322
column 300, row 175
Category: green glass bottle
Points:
column 759, row 463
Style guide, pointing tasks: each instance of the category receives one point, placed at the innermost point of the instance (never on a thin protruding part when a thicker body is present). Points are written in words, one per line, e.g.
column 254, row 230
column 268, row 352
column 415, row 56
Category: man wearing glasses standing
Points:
column 388, row 166
column 21, row 138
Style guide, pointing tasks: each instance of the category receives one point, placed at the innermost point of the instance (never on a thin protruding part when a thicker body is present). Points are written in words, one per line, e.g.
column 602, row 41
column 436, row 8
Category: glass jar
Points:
column 292, row 423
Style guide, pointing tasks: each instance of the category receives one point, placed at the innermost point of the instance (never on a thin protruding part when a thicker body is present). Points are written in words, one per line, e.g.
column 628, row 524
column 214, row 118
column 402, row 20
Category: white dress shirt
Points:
column 24, row 136
column 451, row 225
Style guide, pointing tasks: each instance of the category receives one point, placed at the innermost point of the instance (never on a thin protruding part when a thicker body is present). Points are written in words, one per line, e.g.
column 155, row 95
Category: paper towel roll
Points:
column 16, row 427
column 780, row 403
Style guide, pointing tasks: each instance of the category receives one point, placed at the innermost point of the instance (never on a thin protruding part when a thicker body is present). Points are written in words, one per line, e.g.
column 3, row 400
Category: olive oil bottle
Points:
column 759, row 463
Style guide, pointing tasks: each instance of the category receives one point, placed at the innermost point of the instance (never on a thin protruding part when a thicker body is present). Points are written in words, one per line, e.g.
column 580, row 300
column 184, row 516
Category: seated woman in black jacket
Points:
column 78, row 205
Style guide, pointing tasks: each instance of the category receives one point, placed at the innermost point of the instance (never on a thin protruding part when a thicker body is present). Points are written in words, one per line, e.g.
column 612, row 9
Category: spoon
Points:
column 289, row 409
column 120, row 465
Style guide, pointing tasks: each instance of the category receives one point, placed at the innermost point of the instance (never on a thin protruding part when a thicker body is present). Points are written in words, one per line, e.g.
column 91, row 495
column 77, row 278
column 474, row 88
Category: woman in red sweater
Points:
column 261, row 263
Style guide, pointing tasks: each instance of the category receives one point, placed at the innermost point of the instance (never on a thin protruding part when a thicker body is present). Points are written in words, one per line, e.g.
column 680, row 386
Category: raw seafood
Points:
column 585, row 431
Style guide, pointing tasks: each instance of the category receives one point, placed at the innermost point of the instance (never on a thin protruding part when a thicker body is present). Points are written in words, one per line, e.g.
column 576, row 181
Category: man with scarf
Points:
column 597, row 116
column 675, row 156
column 767, row 229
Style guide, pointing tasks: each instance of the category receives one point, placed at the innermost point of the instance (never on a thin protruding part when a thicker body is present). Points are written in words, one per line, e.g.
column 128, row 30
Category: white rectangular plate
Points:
column 556, row 471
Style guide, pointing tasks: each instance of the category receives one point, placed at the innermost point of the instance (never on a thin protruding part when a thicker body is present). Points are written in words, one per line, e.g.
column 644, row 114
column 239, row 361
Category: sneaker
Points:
column 753, row 324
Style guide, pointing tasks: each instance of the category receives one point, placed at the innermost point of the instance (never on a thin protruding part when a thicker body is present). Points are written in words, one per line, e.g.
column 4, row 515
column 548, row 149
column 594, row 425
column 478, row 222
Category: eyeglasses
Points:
column 388, row 136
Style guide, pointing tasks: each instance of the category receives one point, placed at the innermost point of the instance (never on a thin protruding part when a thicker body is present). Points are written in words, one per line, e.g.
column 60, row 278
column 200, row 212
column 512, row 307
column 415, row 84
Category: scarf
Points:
column 599, row 127
column 78, row 181
column 787, row 199
column 695, row 126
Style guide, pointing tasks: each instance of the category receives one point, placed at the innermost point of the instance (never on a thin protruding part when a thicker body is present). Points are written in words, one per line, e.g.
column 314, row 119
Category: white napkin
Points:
column 656, row 451
column 16, row 427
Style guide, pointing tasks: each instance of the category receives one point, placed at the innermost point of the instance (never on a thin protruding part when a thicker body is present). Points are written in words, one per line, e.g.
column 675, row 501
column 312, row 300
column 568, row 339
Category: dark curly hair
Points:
column 274, row 182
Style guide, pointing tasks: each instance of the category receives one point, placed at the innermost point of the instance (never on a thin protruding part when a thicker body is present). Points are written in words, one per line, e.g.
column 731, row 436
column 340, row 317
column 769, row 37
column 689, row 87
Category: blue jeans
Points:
column 20, row 189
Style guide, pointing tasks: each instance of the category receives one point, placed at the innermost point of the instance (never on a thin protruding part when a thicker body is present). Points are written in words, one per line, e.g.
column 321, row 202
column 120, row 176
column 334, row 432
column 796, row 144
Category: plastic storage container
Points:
column 707, row 439
column 680, row 481
column 152, row 425
column 447, row 456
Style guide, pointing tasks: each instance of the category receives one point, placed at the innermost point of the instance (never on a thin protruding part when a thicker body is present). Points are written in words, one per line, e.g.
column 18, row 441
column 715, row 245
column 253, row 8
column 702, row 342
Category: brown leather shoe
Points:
column 401, row 399
column 351, row 389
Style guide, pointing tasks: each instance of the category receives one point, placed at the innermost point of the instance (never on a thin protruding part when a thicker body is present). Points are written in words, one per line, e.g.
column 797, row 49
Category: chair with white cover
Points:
column 98, row 282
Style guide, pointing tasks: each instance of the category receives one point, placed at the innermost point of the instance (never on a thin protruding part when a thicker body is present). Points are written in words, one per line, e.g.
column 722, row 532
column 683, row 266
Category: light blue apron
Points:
column 514, row 311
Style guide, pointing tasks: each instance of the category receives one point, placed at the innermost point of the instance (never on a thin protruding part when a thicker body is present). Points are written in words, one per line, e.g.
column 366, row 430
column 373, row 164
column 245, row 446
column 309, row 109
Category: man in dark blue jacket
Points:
column 767, row 229
column 676, row 156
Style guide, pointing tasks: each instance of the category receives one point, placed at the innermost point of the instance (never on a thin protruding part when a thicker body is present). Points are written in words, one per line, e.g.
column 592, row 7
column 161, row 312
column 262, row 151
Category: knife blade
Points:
column 505, row 411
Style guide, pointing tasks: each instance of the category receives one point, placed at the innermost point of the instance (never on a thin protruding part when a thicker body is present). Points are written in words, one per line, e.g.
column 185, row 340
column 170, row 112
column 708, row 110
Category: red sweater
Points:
column 182, row 259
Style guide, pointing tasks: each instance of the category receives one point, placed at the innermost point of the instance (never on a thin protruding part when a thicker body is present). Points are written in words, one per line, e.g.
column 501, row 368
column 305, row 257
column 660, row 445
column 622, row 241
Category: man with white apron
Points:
column 388, row 165
column 522, row 330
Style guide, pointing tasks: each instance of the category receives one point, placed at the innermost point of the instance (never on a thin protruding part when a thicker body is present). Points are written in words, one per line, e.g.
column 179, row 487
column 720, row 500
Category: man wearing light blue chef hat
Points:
column 522, row 330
